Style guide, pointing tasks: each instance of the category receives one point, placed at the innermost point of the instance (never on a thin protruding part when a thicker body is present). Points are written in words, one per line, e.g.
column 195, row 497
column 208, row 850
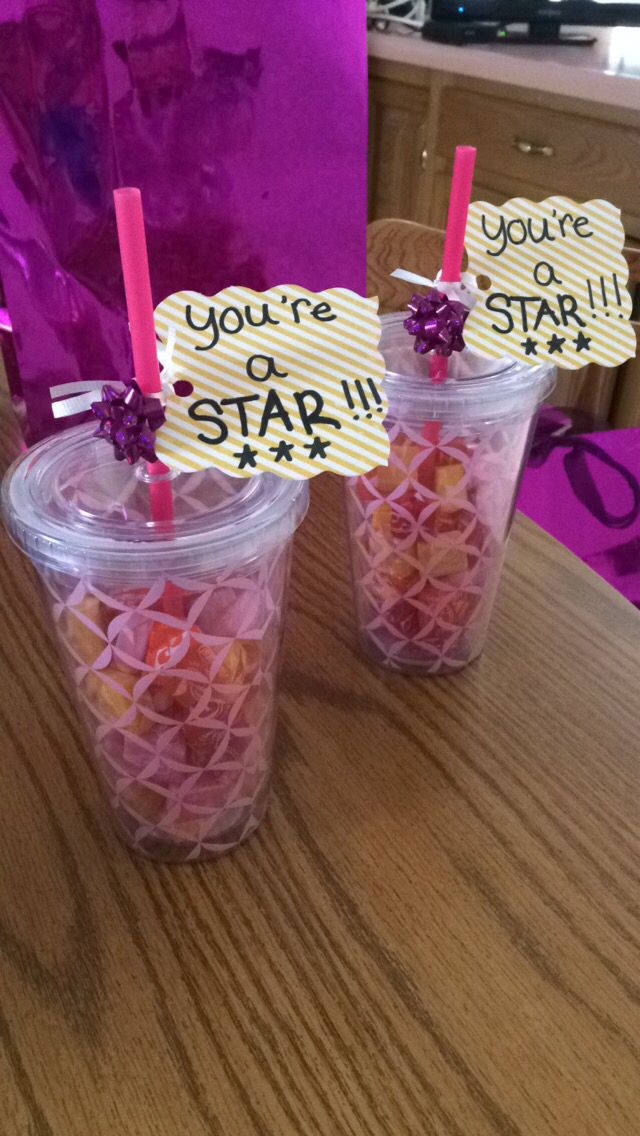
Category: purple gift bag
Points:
column 243, row 123
column 584, row 489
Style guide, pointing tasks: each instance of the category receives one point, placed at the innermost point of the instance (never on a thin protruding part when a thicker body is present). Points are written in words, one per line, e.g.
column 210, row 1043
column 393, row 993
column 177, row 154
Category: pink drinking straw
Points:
column 137, row 287
column 459, row 198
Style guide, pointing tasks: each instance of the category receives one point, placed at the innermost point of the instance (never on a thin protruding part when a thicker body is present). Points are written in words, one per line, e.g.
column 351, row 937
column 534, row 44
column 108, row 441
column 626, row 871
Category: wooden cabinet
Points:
column 529, row 145
column 398, row 154
column 537, row 150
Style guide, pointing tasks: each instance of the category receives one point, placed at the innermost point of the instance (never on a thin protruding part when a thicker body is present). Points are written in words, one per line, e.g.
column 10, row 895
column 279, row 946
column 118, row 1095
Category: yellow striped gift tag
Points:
column 286, row 380
column 553, row 280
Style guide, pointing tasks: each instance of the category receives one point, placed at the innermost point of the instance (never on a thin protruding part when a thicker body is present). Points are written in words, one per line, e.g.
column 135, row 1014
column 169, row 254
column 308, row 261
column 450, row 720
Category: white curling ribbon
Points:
column 77, row 397
column 83, row 394
column 165, row 356
column 412, row 277
column 464, row 290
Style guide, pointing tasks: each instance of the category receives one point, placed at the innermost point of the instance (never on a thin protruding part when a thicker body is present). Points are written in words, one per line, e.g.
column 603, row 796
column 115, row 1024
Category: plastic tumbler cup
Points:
column 428, row 532
column 170, row 633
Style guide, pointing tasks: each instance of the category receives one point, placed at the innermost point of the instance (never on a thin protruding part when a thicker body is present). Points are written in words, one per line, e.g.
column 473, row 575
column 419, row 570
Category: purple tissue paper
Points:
column 243, row 124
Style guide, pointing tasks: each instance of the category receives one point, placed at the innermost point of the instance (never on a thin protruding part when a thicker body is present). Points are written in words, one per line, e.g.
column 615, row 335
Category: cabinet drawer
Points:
column 564, row 153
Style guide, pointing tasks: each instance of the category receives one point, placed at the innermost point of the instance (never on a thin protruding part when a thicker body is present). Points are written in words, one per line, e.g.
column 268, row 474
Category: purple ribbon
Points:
column 551, row 435
column 436, row 322
column 624, row 560
column 128, row 419
column 621, row 559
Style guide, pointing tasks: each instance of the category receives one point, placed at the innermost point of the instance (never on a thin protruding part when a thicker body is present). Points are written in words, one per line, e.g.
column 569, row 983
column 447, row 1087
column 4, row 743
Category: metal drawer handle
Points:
column 525, row 147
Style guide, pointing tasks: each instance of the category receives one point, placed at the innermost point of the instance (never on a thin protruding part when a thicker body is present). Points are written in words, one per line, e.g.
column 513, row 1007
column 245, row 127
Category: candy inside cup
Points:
column 423, row 555
column 428, row 531
column 182, row 717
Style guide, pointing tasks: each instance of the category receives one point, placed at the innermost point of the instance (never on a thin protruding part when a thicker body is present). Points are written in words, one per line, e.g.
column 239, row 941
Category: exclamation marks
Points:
column 608, row 293
column 362, row 398
column 376, row 395
column 591, row 300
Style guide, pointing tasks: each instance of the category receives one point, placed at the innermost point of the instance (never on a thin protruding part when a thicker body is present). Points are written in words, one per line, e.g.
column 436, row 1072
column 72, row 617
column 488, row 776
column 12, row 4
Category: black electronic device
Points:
column 490, row 21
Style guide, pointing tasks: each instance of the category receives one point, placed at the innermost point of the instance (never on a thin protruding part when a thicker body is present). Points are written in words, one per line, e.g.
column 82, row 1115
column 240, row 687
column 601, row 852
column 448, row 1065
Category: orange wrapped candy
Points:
column 227, row 666
column 83, row 627
column 110, row 693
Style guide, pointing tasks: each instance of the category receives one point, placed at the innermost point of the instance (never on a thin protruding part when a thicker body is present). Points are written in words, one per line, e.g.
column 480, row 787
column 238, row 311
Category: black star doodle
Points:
column 282, row 450
column 530, row 346
column 555, row 344
column 582, row 342
column 246, row 456
column 317, row 448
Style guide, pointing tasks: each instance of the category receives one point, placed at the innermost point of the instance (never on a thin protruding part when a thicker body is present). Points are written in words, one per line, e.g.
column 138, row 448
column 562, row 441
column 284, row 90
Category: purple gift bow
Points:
column 128, row 419
column 436, row 322
column 437, row 319
column 550, row 436
column 68, row 399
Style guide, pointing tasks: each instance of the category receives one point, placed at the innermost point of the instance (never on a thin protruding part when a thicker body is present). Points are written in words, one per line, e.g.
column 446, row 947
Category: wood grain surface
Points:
column 434, row 932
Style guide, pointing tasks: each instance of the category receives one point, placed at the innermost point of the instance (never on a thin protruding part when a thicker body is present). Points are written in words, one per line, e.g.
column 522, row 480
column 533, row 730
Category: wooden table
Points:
column 435, row 931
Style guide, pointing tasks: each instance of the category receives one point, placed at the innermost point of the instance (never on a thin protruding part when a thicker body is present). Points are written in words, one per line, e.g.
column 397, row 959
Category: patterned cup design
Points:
column 175, row 682
column 428, row 535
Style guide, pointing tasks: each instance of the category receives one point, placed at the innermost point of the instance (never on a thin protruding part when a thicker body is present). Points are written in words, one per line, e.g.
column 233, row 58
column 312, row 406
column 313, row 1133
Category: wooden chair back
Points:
column 400, row 244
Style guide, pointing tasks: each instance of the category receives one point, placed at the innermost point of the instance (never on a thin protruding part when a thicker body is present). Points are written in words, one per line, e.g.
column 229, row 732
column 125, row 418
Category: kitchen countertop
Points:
column 607, row 72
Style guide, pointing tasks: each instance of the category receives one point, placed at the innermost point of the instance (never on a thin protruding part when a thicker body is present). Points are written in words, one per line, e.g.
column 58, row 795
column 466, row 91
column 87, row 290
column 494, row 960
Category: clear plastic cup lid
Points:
column 476, row 387
column 69, row 504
